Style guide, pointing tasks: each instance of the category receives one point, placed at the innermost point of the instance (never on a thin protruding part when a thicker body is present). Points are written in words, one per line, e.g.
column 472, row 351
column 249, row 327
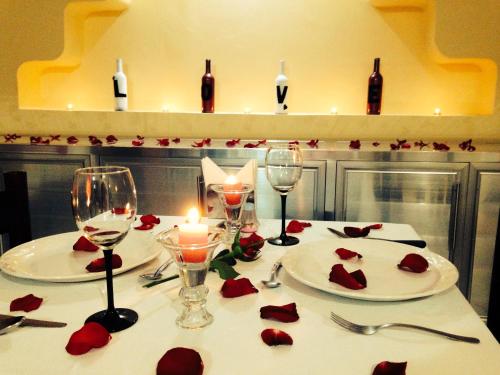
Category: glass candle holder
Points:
column 193, row 262
column 233, row 200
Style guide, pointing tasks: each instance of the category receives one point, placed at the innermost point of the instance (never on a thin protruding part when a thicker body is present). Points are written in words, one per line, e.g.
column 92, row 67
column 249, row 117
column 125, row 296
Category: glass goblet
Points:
column 283, row 171
column 193, row 261
column 104, row 204
column 233, row 200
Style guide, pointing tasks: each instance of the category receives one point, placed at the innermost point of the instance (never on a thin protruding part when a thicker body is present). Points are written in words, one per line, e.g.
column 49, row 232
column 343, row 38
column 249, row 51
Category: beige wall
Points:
column 329, row 46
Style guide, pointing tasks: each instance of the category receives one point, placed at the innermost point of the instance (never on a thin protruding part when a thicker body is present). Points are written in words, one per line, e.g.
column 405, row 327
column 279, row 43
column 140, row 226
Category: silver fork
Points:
column 371, row 329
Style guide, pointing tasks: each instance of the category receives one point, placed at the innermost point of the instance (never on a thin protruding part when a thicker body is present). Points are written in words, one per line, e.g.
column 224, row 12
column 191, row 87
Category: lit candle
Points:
column 230, row 185
column 437, row 111
column 193, row 233
column 69, row 106
column 333, row 111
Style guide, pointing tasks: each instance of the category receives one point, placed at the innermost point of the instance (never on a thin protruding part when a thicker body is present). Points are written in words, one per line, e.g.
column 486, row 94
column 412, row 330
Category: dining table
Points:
column 232, row 343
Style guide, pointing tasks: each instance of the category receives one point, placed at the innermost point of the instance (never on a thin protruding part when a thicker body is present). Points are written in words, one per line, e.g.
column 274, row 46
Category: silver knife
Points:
column 417, row 243
column 36, row 322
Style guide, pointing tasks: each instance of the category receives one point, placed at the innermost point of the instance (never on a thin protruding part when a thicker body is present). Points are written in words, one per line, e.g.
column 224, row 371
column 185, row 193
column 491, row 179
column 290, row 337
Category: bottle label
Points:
column 118, row 94
column 206, row 91
column 281, row 95
column 374, row 94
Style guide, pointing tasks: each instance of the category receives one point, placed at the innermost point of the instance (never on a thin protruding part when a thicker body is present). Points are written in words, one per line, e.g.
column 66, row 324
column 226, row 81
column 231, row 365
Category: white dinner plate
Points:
column 311, row 263
column 53, row 258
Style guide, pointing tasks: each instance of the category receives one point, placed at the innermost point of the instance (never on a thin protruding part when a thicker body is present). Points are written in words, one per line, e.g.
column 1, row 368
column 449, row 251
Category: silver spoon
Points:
column 156, row 275
column 272, row 282
column 9, row 324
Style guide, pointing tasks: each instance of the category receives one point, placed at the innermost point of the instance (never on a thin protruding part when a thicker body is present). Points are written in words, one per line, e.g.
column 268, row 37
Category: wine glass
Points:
column 283, row 171
column 104, row 204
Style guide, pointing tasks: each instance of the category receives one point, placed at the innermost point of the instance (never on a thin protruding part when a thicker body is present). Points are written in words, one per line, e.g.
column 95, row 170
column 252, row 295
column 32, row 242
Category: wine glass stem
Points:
column 108, row 257
column 283, row 215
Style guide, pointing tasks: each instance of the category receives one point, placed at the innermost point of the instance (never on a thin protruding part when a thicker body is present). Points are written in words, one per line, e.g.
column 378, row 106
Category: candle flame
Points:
column 193, row 216
column 231, row 180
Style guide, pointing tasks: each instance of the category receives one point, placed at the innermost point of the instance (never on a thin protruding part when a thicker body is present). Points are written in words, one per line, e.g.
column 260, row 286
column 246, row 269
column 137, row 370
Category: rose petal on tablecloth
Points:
column 414, row 263
column 27, row 303
column 91, row 335
column 273, row 337
column 354, row 280
column 355, row 232
column 83, row 244
column 346, row 254
column 97, row 265
column 150, row 219
column 180, row 361
column 286, row 313
column 390, row 368
column 296, row 226
column 145, row 227
column 237, row 287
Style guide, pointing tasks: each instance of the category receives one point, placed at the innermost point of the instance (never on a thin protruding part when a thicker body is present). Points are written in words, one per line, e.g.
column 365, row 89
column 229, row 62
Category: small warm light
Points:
column 333, row 111
column 231, row 180
column 69, row 106
column 437, row 111
column 164, row 108
column 193, row 216
column 247, row 110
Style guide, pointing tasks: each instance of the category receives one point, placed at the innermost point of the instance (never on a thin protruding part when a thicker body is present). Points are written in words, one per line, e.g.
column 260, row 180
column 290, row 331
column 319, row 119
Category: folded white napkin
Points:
column 213, row 174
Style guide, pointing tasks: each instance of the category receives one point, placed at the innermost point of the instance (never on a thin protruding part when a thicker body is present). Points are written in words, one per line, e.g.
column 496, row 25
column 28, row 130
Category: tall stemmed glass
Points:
column 283, row 171
column 104, row 206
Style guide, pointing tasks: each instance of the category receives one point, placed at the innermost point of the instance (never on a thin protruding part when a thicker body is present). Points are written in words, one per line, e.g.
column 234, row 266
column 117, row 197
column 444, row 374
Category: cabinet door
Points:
column 50, row 178
column 487, row 202
column 165, row 186
column 428, row 196
column 306, row 201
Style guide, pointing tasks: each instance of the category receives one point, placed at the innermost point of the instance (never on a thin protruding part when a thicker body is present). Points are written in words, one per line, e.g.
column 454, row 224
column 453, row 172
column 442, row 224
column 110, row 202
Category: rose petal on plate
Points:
column 296, row 226
column 345, row 254
column 91, row 335
column 286, row 313
column 354, row 280
column 237, row 287
column 98, row 265
column 414, row 263
column 375, row 226
column 147, row 226
column 180, row 361
column 83, row 244
column 356, row 232
column 27, row 303
column 150, row 219
column 390, row 368
column 273, row 337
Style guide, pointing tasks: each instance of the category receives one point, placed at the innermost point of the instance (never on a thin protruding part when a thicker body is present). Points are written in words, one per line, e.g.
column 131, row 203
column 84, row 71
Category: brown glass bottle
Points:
column 375, row 83
column 207, row 90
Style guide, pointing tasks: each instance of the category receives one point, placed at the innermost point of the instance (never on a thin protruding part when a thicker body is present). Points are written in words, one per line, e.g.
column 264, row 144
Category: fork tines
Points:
column 344, row 323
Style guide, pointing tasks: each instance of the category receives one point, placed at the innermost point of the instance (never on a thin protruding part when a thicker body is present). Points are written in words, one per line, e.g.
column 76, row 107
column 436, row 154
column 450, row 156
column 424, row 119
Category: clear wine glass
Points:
column 104, row 204
column 283, row 171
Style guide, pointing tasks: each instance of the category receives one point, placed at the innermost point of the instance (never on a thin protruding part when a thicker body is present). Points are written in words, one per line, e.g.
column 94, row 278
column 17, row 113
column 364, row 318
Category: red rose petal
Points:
column 72, row 140
column 375, row 226
column 376, row 144
column 313, row 143
column 356, row 232
column 91, row 335
column 137, row 142
column 111, row 139
column 286, row 313
column 355, row 145
column 273, row 337
column 119, row 210
column 97, row 265
column 180, row 361
column 421, row 144
column 55, row 137
column 345, row 254
column 354, row 280
column 83, row 244
column 251, row 246
column 251, row 145
column 150, row 219
column 94, row 141
column 198, row 144
column 27, row 303
column 294, row 142
column 390, row 368
column 296, row 226
column 236, row 288
column 147, row 226
column 414, row 263
column 163, row 142
column 176, row 140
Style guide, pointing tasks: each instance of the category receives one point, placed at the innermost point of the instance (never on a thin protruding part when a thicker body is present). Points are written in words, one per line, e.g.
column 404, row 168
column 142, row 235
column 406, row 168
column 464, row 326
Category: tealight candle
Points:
column 69, row 106
column 437, row 111
column 230, row 185
column 333, row 110
column 193, row 233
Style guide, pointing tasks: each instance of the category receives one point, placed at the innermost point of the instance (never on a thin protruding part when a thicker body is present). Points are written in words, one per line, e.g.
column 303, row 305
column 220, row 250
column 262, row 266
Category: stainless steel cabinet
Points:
column 429, row 196
column 49, row 183
column 485, row 186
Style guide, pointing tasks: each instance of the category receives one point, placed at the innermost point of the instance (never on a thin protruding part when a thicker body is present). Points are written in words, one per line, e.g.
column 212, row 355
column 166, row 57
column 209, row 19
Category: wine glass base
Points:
column 116, row 320
column 287, row 241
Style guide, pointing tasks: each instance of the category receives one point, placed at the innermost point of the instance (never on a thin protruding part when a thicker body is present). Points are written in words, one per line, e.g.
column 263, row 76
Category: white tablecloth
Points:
column 232, row 344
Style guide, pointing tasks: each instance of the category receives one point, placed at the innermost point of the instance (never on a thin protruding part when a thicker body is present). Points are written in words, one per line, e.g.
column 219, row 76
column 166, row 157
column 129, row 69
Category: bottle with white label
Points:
column 120, row 87
column 281, row 90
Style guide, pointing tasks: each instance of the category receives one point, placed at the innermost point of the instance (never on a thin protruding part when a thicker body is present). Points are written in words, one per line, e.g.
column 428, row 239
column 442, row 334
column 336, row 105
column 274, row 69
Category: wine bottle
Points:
column 120, row 87
column 375, row 82
column 207, row 89
column 281, row 90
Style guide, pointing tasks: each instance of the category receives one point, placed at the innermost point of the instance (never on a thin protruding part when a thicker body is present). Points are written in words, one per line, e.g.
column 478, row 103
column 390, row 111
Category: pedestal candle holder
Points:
column 193, row 262
column 233, row 200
